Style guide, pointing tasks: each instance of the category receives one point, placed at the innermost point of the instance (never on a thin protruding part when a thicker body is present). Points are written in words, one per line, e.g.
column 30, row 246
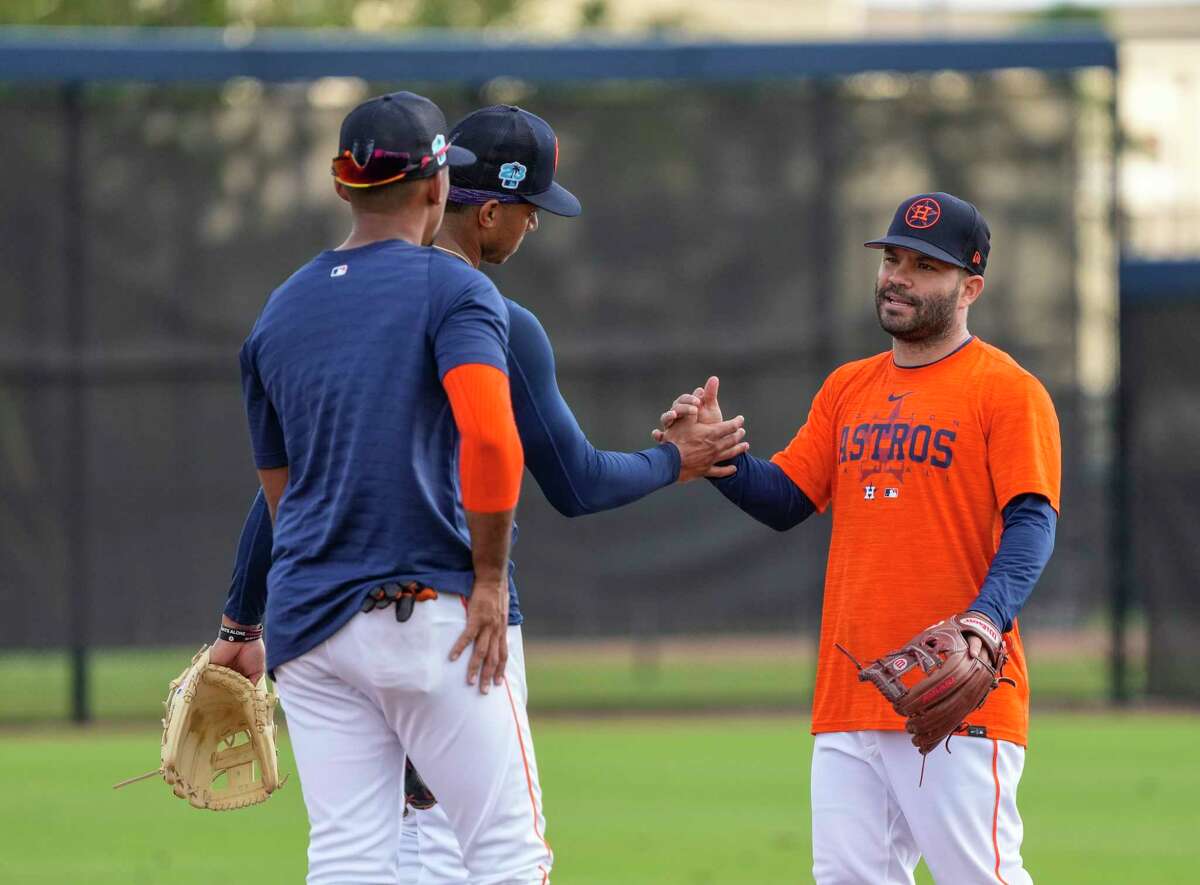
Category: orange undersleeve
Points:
column 491, row 459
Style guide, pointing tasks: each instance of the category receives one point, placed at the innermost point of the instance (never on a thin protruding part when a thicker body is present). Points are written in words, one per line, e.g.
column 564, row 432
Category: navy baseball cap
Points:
column 941, row 226
column 391, row 137
column 517, row 157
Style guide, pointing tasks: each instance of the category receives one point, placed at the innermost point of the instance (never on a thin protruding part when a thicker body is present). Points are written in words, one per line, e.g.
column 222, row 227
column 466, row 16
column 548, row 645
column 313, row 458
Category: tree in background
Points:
column 367, row 15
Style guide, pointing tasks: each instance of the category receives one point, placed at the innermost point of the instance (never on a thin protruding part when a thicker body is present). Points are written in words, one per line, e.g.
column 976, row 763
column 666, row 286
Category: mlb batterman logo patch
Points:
column 512, row 174
column 340, row 270
column 923, row 213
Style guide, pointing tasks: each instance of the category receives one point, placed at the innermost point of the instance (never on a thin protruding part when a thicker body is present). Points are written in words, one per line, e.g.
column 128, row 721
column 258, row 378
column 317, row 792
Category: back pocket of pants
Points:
column 400, row 655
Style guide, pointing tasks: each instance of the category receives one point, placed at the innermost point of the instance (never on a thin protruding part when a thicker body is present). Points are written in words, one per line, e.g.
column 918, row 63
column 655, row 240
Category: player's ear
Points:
column 439, row 187
column 489, row 214
column 342, row 191
column 972, row 288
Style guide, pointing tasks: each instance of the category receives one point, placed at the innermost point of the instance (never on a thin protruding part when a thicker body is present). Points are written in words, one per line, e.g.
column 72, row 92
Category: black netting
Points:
column 722, row 233
column 1163, row 477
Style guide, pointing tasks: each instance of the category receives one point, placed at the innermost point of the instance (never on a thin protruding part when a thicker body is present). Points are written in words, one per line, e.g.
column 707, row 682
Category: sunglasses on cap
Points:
column 382, row 167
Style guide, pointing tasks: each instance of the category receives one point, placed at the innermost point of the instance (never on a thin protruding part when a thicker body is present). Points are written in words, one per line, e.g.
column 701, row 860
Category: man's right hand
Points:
column 487, row 628
column 694, row 424
column 701, row 402
column 247, row 658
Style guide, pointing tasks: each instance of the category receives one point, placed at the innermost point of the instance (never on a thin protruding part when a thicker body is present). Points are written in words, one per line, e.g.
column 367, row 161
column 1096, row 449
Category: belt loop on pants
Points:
column 405, row 597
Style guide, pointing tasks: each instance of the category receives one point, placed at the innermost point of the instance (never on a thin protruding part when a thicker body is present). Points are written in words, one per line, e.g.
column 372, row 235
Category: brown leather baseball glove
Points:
column 950, row 683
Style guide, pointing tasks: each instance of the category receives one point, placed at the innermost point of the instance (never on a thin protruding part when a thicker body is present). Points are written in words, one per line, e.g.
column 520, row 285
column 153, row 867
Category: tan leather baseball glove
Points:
column 218, row 743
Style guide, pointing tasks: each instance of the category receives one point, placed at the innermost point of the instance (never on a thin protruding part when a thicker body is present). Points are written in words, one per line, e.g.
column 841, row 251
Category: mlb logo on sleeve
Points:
column 340, row 270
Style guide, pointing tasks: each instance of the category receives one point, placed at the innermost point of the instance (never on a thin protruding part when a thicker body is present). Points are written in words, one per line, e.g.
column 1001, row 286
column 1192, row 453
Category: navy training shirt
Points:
column 764, row 491
column 342, row 382
column 575, row 476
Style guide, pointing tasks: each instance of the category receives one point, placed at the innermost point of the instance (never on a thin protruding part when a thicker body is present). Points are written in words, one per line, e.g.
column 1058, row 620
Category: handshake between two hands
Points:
column 695, row 426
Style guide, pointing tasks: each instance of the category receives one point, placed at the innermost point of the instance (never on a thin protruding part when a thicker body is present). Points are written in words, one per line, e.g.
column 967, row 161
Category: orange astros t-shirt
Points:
column 918, row 464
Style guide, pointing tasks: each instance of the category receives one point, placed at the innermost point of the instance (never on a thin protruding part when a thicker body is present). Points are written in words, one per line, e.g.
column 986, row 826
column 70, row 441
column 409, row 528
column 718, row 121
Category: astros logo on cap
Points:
column 923, row 213
column 512, row 174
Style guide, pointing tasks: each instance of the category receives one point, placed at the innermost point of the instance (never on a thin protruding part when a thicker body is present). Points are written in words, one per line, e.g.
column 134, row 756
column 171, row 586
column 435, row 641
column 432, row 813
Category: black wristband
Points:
column 237, row 634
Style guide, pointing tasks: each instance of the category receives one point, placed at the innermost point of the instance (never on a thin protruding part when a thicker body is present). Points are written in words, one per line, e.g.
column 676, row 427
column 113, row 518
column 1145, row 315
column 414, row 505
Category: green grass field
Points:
column 660, row 801
column 710, row 673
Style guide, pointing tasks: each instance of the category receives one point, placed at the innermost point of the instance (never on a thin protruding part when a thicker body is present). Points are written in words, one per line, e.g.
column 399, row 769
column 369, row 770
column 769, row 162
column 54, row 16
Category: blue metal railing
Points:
column 200, row 55
column 1145, row 282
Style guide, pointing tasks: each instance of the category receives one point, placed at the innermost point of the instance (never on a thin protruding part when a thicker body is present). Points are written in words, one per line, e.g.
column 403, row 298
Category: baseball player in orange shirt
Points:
column 941, row 461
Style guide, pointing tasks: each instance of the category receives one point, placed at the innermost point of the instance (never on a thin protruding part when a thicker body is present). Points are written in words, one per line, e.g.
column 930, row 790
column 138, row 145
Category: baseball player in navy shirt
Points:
column 381, row 425
column 489, row 223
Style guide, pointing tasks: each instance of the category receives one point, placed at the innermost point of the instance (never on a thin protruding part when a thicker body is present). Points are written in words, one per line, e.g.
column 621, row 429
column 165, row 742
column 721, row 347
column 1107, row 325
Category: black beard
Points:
column 932, row 316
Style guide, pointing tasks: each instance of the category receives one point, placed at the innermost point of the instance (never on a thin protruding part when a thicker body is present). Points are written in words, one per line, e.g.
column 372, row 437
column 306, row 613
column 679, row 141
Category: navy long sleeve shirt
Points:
column 765, row 492
column 575, row 476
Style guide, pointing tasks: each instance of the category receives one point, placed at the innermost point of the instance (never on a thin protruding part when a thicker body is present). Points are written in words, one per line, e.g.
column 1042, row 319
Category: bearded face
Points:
column 913, row 316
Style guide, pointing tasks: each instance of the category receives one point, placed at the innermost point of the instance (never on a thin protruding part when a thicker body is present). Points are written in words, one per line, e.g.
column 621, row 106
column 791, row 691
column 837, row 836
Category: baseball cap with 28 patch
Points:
column 518, row 156
column 394, row 137
column 941, row 226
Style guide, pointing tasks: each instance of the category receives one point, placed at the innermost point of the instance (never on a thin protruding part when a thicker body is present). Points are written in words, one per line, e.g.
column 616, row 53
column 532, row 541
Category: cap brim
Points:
column 556, row 199
column 459, row 156
column 918, row 246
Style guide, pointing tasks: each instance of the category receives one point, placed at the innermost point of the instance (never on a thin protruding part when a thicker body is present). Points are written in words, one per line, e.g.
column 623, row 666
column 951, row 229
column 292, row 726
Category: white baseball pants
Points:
column 872, row 823
column 378, row 689
column 429, row 850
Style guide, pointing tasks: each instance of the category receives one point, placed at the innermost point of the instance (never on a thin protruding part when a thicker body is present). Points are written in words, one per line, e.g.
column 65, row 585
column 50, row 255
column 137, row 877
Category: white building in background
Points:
column 1159, row 106
column 725, row 19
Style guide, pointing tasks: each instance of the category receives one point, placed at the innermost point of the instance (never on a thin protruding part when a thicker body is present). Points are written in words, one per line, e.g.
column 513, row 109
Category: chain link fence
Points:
column 722, row 234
